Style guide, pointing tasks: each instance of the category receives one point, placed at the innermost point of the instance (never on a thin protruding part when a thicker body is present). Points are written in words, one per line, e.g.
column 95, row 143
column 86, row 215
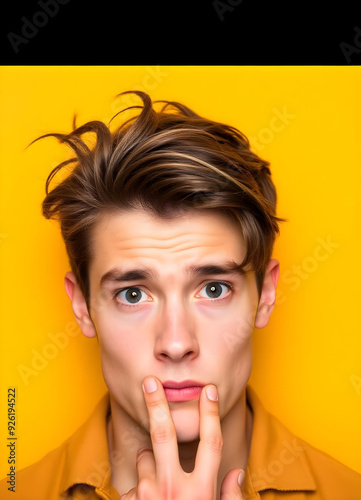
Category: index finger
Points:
column 162, row 430
column 210, row 446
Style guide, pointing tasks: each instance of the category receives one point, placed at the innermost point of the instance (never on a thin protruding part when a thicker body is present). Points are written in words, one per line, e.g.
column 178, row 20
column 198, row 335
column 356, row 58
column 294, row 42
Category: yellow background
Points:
column 307, row 362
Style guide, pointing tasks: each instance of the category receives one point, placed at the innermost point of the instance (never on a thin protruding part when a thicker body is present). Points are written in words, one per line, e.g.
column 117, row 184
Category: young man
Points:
column 169, row 223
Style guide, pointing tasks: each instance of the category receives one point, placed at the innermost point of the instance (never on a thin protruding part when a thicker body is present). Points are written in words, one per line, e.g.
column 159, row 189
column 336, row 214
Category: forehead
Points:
column 137, row 236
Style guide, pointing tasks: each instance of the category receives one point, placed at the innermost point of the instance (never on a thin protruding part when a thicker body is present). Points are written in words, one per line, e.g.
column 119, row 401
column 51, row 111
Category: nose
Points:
column 176, row 338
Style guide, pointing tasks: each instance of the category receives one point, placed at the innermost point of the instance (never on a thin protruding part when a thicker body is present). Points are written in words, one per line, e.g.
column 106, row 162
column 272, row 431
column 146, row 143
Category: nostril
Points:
column 177, row 356
column 176, row 342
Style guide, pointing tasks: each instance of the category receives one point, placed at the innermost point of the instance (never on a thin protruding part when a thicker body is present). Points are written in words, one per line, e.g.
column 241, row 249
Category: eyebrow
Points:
column 117, row 275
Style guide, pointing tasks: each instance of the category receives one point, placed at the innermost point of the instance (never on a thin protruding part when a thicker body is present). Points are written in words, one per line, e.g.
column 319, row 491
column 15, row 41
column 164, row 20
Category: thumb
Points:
column 231, row 488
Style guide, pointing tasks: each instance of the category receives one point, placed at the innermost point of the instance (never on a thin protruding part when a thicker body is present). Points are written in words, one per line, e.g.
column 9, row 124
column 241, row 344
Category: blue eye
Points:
column 132, row 295
column 214, row 290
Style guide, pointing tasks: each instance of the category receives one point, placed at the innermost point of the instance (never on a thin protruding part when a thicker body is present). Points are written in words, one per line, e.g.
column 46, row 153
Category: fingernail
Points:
column 241, row 477
column 212, row 393
column 150, row 385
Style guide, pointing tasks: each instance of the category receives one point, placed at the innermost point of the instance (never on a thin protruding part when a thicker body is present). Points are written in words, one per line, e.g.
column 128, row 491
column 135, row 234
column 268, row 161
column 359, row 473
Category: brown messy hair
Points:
column 167, row 162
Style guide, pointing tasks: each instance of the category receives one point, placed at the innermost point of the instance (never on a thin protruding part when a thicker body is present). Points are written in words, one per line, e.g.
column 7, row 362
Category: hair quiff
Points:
column 166, row 162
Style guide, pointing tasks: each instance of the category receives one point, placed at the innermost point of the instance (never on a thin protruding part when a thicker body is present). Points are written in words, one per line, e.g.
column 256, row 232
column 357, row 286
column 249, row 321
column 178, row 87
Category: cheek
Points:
column 122, row 347
column 235, row 348
column 229, row 330
column 120, row 334
column 229, row 342
column 236, row 335
column 123, row 357
column 236, row 352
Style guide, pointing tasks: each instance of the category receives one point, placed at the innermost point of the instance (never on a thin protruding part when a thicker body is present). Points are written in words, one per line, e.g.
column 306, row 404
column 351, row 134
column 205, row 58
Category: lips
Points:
column 182, row 391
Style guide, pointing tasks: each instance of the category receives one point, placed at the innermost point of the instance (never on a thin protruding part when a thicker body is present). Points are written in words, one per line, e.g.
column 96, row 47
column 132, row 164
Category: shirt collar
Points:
column 277, row 458
column 86, row 460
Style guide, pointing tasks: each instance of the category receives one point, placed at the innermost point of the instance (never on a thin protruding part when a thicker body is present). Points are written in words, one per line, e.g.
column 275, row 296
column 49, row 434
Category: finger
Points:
column 145, row 464
column 162, row 430
column 209, row 452
column 131, row 495
column 231, row 488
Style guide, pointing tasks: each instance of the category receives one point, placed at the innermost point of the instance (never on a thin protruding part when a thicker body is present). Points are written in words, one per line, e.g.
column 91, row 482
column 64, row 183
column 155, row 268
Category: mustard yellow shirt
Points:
column 281, row 466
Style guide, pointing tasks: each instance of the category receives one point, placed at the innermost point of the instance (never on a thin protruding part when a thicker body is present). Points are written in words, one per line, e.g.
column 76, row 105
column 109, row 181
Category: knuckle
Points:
column 215, row 444
column 162, row 434
column 214, row 411
column 146, row 452
column 154, row 402
column 207, row 491
column 144, row 489
column 170, row 491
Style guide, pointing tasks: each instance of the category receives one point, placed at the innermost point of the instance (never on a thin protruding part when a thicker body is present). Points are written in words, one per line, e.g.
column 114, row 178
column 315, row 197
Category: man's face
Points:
column 164, row 303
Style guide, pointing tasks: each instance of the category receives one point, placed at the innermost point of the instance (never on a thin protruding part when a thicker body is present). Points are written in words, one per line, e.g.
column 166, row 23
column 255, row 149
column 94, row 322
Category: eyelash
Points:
column 122, row 304
column 225, row 283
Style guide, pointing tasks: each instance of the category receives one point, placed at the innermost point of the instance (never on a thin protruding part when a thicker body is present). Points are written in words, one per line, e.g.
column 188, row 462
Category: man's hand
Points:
column 160, row 474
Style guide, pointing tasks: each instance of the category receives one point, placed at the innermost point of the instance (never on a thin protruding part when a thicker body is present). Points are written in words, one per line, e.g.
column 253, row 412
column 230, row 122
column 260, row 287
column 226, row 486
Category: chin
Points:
column 186, row 422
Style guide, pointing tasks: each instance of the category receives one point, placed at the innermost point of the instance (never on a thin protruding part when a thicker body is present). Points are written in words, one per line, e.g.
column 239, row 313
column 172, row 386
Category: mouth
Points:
column 182, row 391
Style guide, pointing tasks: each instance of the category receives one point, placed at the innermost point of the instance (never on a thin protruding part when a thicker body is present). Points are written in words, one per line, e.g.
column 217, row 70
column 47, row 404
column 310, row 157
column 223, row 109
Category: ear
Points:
column 79, row 306
column 268, row 294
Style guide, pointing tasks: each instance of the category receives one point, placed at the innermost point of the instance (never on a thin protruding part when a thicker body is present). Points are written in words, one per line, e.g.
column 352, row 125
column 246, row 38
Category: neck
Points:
column 126, row 437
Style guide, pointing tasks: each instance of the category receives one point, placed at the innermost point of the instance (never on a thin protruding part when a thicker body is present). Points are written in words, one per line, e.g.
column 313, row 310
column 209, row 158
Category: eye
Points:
column 132, row 295
column 214, row 290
